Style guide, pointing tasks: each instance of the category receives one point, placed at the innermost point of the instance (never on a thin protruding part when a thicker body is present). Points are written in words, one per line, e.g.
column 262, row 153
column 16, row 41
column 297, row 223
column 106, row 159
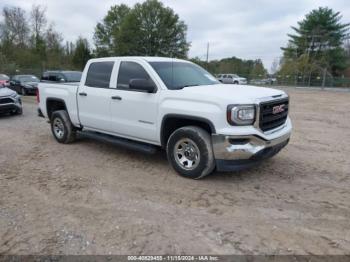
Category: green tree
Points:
column 38, row 23
column 319, row 37
column 107, row 31
column 146, row 29
column 81, row 53
column 14, row 28
column 258, row 70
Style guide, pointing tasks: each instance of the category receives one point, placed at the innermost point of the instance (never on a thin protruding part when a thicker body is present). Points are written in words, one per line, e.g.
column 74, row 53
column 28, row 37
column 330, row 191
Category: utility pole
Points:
column 207, row 55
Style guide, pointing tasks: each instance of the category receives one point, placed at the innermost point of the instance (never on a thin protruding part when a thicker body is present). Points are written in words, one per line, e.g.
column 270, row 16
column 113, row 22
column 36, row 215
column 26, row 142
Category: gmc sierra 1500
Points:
column 149, row 102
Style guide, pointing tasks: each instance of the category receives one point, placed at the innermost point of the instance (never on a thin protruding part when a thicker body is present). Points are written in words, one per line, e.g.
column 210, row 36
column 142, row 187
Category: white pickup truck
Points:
column 146, row 103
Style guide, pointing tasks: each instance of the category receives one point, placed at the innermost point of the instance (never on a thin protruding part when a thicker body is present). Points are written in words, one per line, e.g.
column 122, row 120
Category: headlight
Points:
column 241, row 115
column 14, row 95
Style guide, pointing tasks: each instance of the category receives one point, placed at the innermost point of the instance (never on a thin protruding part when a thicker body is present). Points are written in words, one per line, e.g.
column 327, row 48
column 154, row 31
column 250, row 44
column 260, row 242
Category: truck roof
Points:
column 146, row 58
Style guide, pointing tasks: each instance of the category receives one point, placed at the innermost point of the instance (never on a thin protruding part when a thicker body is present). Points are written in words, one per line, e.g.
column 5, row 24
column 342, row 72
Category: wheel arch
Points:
column 54, row 104
column 171, row 122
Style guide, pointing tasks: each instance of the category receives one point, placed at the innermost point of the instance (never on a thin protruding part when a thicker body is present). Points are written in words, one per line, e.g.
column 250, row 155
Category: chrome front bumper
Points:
column 243, row 147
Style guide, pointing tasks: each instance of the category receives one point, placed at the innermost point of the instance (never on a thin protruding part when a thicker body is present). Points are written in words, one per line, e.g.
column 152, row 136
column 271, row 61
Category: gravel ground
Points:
column 94, row 198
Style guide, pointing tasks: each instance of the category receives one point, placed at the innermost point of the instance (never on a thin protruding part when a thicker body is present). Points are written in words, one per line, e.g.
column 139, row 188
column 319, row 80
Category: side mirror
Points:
column 143, row 85
column 61, row 80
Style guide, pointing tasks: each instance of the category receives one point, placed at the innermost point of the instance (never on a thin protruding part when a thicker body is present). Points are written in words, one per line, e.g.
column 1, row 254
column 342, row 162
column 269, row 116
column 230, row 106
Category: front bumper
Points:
column 9, row 107
column 239, row 152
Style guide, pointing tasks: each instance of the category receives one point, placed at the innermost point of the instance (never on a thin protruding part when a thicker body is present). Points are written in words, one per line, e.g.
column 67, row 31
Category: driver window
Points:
column 129, row 71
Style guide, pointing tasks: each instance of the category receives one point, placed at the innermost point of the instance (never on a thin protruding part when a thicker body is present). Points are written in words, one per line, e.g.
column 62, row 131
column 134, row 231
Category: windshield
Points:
column 177, row 75
column 3, row 77
column 28, row 79
column 73, row 76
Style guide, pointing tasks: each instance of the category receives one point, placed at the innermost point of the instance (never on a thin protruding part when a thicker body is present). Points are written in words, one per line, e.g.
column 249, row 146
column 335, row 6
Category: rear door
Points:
column 228, row 79
column 94, row 96
column 134, row 113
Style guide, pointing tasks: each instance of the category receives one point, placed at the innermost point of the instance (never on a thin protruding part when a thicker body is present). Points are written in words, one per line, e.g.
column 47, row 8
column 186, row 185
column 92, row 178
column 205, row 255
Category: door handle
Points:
column 83, row 94
column 116, row 98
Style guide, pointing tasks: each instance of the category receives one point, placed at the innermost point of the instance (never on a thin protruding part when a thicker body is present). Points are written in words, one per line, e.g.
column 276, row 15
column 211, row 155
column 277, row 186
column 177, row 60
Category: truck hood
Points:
column 240, row 94
column 4, row 91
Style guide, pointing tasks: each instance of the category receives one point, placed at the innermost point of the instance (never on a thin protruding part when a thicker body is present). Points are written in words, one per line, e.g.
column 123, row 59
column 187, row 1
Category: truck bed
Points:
column 66, row 92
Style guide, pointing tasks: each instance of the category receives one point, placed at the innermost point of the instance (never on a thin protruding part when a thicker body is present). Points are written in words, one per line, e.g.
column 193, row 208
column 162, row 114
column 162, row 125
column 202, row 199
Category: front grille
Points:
column 6, row 100
column 270, row 120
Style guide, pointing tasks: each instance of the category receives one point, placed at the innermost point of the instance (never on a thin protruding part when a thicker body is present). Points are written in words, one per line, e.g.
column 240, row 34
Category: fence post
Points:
column 324, row 78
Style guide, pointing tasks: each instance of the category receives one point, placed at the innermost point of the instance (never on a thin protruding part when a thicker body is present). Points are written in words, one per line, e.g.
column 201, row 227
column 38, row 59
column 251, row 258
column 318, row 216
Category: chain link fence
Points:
column 302, row 81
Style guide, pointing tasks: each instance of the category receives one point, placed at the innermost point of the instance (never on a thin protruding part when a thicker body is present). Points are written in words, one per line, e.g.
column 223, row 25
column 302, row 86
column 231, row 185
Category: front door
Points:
column 134, row 113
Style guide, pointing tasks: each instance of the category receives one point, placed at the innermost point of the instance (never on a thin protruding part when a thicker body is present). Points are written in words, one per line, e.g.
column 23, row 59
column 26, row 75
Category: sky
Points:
column 249, row 29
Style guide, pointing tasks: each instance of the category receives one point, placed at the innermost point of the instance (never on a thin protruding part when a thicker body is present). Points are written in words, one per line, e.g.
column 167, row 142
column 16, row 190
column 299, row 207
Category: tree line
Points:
column 251, row 69
column 29, row 41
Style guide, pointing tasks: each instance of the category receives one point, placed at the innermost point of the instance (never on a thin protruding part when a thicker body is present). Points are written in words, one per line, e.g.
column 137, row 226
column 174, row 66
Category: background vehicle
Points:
column 265, row 81
column 61, row 76
column 232, row 79
column 24, row 84
column 4, row 80
column 10, row 101
column 149, row 102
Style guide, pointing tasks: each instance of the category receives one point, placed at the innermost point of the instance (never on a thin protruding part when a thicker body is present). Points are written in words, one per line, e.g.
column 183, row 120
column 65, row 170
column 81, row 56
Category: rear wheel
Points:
column 62, row 128
column 190, row 152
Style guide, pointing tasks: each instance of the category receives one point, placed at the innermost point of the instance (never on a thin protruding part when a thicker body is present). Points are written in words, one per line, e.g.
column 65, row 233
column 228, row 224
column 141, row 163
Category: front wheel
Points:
column 62, row 128
column 190, row 152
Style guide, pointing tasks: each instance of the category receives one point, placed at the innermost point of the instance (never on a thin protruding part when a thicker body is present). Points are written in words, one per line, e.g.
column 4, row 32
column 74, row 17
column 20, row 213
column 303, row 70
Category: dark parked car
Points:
column 10, row 101
column 61, row 76
column 24, row 84
column 4, row 80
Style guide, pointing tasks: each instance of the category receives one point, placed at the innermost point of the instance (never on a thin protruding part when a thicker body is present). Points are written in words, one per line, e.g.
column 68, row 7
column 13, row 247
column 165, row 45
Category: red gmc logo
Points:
column 278, row 109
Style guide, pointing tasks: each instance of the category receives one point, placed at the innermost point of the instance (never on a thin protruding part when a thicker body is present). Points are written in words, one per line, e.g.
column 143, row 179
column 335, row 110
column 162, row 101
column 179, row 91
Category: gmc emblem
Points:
column 278, row 109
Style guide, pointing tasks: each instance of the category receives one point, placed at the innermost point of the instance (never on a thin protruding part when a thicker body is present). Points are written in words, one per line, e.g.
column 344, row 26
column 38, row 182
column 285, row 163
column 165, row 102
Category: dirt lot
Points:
column 93, row 198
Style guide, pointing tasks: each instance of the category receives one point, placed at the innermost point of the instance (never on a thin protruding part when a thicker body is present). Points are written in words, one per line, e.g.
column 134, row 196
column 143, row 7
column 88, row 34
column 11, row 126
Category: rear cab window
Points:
column 99, row 74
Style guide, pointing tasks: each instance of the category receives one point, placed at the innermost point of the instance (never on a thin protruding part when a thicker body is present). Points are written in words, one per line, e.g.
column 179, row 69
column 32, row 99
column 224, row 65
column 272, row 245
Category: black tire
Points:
column 235, row 83
column 23, row 91
column 202, row 142
column 60, row 121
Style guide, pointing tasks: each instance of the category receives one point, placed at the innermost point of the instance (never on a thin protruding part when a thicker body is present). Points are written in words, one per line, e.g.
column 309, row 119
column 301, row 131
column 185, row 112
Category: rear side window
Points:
column 99, row 74
column 53, row 77
column 45, row 76
column 129, row 71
